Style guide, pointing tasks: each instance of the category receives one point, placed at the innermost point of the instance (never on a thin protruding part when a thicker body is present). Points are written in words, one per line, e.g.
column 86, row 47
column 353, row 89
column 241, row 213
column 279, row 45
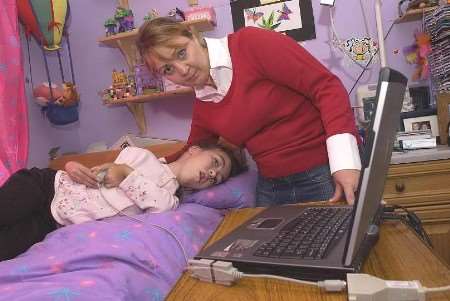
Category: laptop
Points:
column 315, row 242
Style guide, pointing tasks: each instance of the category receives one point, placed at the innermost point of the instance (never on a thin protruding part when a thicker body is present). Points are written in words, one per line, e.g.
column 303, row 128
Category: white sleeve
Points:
column 343, row 152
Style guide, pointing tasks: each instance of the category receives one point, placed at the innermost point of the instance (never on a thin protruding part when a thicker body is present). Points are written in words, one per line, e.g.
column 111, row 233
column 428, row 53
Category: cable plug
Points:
column 101, row 176
column 332, row 285
column 220, row 272
column 363, row 287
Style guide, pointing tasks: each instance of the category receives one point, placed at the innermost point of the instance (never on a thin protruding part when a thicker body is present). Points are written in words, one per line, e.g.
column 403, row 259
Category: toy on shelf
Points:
column 110, row 26
column 123, row 86
column 417, row 54
column 142, row 82
column 147, row 82
column 199, row 13
column 153, row 14
column 124, row 18
column 176, row 14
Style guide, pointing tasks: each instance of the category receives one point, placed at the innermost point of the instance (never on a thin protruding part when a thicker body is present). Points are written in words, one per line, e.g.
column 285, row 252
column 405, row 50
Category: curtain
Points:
column 13, row 106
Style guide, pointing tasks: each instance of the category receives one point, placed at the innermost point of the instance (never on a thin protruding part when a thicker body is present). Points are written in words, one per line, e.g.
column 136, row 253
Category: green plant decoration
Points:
column 268, row 24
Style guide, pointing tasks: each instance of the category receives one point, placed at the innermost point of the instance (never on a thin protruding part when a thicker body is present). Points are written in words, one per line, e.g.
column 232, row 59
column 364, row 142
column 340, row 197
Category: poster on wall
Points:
column 292, row 17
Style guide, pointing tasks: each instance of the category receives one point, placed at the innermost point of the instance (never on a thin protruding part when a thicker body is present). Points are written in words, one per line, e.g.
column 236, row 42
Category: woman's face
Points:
column 186, row 64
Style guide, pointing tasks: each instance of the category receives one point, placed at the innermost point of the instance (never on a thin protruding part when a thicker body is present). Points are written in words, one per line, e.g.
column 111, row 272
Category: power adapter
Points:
column 363, row 287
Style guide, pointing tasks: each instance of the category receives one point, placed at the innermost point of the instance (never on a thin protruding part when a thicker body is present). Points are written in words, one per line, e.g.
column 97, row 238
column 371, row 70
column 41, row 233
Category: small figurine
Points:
column 110, row 26
column 153, row 14
column 129, row 21
column 176, row 14
column 119, row 79
column 120, row 15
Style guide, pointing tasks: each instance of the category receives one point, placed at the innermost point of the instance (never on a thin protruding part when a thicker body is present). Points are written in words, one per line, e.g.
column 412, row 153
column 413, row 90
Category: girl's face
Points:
column 186, row 64
column 204, row 168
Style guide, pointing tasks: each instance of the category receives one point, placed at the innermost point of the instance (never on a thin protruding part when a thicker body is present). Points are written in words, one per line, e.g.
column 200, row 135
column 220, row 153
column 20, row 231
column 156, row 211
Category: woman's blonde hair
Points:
column 161, row 32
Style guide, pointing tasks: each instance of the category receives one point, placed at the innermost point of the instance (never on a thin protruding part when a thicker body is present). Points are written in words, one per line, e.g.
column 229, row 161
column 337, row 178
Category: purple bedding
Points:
column 114, row 259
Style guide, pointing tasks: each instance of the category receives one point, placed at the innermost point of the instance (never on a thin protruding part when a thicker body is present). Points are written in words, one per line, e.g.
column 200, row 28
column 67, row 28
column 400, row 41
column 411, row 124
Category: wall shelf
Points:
column 112, row 41
column 414, row 14
column 125, row 41
column 151, row 97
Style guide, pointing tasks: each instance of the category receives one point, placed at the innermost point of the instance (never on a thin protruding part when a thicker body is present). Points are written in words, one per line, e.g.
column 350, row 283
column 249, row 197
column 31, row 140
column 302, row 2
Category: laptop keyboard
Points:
column 309, row 235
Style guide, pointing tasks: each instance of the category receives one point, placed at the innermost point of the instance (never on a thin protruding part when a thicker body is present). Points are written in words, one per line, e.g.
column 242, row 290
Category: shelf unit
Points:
column 125, row 41
column 414, row 14
column 151, row 97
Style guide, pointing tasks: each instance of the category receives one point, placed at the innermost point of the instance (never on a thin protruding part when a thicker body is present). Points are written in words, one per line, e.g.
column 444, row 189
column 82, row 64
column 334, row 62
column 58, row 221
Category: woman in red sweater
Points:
column 261, row 90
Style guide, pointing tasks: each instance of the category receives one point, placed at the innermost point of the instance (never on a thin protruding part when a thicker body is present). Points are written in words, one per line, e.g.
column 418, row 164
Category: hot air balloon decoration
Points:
column 45, row 21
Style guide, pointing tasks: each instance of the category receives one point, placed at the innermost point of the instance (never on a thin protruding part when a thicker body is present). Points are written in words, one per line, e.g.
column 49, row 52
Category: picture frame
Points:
column 294, row 17
column 428, row 122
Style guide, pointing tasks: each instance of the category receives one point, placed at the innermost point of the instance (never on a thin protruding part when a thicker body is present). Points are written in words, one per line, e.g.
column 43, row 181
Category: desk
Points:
column 398, row 255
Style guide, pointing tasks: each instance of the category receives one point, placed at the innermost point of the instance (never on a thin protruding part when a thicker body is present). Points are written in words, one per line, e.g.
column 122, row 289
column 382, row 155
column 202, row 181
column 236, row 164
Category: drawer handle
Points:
column 399, row 187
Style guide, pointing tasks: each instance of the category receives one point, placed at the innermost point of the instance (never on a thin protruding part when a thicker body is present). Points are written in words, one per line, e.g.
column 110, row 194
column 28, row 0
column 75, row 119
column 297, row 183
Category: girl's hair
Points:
column 161, row 32
column 237, row 163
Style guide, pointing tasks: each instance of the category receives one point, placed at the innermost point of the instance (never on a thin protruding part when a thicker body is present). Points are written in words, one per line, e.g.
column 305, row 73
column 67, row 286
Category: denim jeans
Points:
column 312, row 185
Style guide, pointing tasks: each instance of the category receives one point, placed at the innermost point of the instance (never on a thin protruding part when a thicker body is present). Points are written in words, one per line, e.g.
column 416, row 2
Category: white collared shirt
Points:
column 342, row 149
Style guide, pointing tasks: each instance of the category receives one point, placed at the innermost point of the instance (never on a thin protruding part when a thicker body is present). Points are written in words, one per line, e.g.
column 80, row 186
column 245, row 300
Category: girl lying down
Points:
column 34, row 202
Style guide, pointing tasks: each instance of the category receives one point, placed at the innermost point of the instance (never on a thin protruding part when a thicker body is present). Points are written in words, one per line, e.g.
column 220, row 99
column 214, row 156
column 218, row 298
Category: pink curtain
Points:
column 13, row 106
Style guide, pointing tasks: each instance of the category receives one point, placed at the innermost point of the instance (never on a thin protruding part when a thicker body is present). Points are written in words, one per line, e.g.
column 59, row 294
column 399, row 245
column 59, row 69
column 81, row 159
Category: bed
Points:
column 120, row 258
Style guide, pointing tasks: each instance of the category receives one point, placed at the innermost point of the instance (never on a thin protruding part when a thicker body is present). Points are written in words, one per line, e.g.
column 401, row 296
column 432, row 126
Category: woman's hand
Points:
column 116, row 173
column 346, row 182
column 81, row 174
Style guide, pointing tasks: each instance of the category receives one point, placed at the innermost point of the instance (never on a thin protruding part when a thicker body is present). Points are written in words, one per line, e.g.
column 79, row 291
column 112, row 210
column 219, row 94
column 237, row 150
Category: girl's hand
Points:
column 116, row 174
column 96, row 169
column 81, row 174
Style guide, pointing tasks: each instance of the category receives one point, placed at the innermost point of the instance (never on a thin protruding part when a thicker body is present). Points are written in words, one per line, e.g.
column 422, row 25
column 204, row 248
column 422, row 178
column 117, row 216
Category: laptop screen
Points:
column 376, row 156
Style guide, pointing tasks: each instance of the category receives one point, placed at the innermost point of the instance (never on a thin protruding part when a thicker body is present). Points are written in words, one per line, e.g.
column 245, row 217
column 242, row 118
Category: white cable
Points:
column 223, row 272
column 279, row 278
column 436, row 289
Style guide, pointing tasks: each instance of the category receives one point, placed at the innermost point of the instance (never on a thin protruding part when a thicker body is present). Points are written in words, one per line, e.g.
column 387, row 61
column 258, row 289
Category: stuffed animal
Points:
column 418, row 54
column 69, row 96
column 42, row 94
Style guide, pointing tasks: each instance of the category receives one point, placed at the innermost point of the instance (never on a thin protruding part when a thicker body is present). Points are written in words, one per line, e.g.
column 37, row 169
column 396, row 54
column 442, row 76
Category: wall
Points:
column 171, row 118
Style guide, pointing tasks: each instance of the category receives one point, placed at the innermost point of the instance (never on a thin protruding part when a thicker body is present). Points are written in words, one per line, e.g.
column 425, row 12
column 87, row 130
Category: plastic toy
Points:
column 110, row 26
column 197, row 13
column 153, row 14
column 147, row 82
column 124, row 18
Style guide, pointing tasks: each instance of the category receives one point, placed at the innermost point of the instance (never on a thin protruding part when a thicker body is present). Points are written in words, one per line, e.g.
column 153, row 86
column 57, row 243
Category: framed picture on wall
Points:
column 293, row 17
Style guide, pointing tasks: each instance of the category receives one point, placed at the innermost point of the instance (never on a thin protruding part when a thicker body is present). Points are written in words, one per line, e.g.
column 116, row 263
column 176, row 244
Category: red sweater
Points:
column 282, row 104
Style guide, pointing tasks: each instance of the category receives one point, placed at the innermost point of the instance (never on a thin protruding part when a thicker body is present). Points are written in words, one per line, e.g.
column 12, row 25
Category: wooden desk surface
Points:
column 398, row 255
